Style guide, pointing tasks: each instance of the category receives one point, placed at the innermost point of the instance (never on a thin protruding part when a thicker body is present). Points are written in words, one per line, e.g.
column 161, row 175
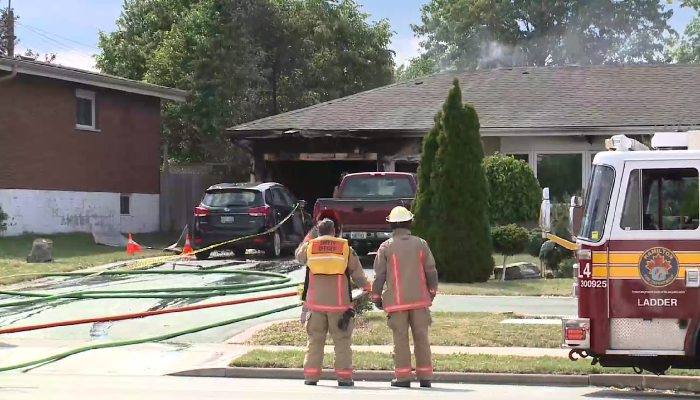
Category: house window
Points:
column 125, row 204
column 562, row 173
column 520, row 156
column 85, row 109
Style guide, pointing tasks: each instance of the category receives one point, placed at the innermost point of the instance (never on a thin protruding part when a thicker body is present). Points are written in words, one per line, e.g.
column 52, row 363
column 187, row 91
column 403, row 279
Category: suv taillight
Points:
column 259, row 211
column 317, row 209
column 200, row 211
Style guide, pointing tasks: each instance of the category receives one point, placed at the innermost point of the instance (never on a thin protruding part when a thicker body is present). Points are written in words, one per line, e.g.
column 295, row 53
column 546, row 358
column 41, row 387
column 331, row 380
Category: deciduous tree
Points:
column 476, row 33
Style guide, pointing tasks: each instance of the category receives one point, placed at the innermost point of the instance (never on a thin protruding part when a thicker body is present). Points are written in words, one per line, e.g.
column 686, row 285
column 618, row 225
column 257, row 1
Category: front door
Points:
column 654, row 242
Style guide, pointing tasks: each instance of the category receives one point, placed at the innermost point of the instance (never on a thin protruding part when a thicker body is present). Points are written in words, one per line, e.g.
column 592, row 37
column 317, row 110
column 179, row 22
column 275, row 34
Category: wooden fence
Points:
column 181, row 190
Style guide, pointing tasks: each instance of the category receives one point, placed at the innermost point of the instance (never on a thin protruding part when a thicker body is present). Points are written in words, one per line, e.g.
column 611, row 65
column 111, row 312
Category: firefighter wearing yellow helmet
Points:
column 405, row 265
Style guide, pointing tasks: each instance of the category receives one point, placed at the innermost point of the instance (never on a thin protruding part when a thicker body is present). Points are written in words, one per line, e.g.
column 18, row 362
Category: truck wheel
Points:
column 275, row 248
column 203, row 255
column 240, row 253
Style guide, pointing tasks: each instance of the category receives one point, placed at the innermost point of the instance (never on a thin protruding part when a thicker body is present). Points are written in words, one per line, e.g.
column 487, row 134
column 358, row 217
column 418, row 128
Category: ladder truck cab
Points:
column 637, row 246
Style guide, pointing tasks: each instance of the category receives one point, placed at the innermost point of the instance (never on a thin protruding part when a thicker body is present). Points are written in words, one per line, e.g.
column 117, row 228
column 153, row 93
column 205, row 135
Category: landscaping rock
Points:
column 521, row 270
column 42, row 251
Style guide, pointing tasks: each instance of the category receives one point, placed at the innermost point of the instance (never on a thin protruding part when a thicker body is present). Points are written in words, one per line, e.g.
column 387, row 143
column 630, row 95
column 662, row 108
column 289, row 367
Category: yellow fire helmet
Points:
column 399, row 214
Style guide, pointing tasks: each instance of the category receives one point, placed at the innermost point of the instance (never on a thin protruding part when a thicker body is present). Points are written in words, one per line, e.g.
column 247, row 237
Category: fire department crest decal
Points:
column 658, row 267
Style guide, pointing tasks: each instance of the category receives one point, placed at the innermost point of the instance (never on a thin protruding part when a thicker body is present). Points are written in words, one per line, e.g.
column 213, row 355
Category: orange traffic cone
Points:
column 132, row 247
column 187, row 249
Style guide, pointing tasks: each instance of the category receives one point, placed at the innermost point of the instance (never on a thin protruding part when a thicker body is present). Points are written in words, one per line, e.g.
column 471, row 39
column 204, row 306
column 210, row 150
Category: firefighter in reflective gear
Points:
column 405, row 264
column 328, row 298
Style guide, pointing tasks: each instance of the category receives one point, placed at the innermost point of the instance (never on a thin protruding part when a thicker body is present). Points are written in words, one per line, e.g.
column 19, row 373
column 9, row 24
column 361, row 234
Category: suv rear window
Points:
column 233, row 198
column 377, row 187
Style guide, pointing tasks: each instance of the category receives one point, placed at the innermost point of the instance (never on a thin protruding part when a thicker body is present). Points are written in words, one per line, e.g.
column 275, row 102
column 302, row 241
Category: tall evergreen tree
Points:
column 462, row 235
column 424, row 194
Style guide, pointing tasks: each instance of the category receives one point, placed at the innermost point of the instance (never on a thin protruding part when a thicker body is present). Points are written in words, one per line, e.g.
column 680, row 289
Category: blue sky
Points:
column 69, row 27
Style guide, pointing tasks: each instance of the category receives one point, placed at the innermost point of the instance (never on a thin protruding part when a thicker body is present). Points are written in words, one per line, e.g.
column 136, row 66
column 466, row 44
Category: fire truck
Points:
column 637, row 247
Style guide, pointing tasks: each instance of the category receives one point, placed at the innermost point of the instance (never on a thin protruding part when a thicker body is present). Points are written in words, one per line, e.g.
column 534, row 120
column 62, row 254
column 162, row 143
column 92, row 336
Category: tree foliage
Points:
column 422, row 204
column 514, row 191
column 477, row 33
column 243, row 60
column 462, row 239
column 686, row 49
column 416, row 68
column 509, row 240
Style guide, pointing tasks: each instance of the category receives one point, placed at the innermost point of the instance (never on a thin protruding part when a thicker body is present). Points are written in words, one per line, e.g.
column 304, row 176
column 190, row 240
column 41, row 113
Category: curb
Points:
column 675, row 383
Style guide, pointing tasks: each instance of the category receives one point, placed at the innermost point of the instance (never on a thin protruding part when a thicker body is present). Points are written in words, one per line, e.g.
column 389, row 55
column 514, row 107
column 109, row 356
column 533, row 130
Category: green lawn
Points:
column 482, row 363
column 71, row 252
column 448, row 329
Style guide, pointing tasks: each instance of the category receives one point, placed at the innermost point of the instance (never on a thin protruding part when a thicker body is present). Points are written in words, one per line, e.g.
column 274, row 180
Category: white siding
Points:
column 47, row 212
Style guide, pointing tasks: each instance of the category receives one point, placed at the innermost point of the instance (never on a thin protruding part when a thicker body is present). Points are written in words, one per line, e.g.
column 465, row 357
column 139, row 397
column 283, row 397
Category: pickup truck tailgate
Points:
column 366, row 215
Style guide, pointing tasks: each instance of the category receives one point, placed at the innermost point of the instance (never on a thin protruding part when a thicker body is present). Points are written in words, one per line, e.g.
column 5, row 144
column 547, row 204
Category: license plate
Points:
column 358, row 235
column 226, row 220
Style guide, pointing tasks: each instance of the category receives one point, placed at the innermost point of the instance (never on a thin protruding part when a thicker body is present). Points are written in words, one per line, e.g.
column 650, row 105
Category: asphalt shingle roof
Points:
column 545, row 97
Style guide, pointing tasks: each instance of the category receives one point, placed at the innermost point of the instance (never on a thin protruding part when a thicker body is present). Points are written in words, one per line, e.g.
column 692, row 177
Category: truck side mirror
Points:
column 545, row 213
column 302, row 203
column 575, row 215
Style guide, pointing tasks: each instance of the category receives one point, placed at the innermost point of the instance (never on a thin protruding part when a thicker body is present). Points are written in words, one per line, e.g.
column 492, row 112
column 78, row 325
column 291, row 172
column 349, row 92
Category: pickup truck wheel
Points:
column 275, row 248
column 203, row 255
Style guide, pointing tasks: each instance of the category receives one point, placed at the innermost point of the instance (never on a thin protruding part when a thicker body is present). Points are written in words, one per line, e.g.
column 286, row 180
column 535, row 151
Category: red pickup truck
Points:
column 362, row 203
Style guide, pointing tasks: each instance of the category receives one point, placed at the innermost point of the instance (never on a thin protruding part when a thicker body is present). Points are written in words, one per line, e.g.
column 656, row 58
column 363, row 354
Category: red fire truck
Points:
column 638, row 256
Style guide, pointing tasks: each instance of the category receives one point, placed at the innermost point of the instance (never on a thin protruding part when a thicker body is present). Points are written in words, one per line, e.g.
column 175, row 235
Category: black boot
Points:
column 425, row 384
column 346, row 383
column 401, row 384
column 310, row 383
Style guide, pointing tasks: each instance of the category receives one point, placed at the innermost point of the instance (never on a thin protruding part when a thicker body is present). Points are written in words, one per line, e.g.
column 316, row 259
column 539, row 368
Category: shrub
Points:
column 509, row 240
column 3, row 220
column 536, row 241
column 514, row 193
column 551, row 255
column 460, row 205
column 566, row 268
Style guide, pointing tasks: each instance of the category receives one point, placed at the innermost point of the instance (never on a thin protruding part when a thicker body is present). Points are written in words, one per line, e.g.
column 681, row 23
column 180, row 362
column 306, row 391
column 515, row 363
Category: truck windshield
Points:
column 362, row 187
column 596, row 203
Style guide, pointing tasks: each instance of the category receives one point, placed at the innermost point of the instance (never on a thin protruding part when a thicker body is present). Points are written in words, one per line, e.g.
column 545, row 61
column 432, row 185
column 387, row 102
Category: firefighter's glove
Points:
column 378, row 304
column 345, row 320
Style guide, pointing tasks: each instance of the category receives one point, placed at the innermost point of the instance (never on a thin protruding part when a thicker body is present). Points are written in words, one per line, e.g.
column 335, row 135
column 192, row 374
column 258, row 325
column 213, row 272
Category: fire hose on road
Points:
column 270, row 281
column 280, row 281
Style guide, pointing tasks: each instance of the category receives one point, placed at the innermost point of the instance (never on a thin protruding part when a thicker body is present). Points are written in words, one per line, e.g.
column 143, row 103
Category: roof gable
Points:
column 543, row 97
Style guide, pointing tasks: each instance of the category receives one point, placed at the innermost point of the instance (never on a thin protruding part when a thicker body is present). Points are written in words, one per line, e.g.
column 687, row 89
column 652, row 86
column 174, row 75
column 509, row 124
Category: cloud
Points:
column 73, row 59
column 76, row 60
column 405, row 48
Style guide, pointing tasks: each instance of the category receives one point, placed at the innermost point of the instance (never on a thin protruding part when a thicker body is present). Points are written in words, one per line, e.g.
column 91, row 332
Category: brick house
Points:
column 80, row 151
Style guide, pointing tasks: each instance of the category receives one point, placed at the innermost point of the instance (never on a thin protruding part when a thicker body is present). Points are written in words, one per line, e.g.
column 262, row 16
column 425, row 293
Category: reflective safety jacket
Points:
column 327, row 255
column 405, row 264
column 329, row 284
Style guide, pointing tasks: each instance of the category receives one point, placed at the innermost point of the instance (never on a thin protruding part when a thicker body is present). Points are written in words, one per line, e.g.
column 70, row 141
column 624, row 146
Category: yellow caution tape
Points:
column 150, row 261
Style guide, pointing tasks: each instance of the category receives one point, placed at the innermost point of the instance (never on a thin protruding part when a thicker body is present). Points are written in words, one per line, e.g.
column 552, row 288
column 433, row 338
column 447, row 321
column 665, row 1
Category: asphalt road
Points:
column 66, row 387
column 67, row 309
